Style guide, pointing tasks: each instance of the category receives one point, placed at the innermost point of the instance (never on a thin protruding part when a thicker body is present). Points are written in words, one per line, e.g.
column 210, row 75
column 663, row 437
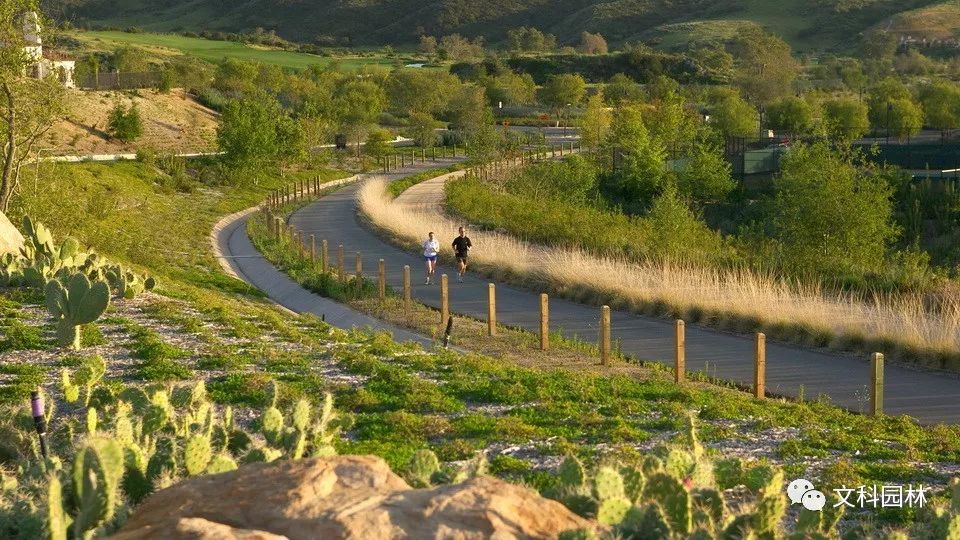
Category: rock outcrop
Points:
column 10, row 238
column 343, row 497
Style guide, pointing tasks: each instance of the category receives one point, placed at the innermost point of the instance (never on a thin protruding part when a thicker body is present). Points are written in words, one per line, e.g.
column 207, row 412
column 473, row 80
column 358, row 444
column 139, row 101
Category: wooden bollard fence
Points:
column 313, row 250
column 760, row 366
column 278, row 228
column 876, row 384
column 544, row 322
column 444, row 300
column 324, row 256
column 406, row 290
column 341, row 263
column 491, row 309
column 382, row 282
column 359, row 266
column 605, row 335
column 679, row 352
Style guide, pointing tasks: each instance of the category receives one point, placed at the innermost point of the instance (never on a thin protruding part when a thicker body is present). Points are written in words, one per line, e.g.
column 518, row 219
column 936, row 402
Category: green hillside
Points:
column 808, row 24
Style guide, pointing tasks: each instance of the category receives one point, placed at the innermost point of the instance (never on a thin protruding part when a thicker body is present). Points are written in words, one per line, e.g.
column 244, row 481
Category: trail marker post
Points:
column 444, row 299
column 544, row 322
column 679, row 352
column 605, row 335
column 491, row 309
column 876, row 384
column 760, row 366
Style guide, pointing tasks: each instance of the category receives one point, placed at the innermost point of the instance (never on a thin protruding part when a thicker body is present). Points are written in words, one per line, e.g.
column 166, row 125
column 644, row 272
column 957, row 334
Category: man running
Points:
column 461, row 245
column 430, row 249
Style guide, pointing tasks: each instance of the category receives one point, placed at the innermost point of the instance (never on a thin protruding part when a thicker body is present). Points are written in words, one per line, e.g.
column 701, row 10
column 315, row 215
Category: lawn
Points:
column 215, row 51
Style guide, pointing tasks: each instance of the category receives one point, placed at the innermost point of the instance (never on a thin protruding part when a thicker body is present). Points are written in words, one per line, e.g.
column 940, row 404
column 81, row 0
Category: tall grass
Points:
column 738, row 299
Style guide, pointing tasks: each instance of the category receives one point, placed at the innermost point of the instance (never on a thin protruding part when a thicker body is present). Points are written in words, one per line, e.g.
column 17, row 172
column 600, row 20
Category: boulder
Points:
column 355, row 497
column 10, row 238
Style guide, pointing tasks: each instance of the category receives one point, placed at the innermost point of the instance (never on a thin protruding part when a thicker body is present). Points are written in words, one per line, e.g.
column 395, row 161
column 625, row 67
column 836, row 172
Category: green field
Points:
column 214, row 51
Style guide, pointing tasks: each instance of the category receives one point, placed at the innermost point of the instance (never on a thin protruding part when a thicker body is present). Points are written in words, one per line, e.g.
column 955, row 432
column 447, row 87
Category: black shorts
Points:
column 462, row 257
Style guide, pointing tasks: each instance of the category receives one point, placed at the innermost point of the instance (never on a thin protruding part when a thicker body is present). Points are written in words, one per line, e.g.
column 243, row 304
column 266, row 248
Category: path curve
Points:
column 929, row 396
column 239, row 258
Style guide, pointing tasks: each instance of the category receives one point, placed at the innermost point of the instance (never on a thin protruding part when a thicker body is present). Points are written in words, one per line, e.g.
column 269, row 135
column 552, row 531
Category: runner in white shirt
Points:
column 430, row 249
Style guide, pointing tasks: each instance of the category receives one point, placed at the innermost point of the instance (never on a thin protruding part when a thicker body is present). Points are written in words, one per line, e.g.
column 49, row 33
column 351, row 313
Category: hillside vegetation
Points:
column 808, row 24
column 172, row 122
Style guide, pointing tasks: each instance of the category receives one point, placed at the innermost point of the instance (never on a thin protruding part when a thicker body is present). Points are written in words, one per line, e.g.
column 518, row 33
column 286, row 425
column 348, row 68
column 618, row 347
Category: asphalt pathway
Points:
column 930, row 397
column 241, row 259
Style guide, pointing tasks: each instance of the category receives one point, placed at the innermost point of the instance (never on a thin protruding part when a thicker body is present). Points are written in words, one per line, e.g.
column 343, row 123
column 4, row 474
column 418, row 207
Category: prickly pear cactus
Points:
column 612, row 511
column 271, row 425
column 196, row 454
column 301, row 415
column 572, row 472
column 74, row 302
column 673, row 498
column 56, row 519
column 423, row 465
column 608, row 484
column 97, row 470
column 221, row 463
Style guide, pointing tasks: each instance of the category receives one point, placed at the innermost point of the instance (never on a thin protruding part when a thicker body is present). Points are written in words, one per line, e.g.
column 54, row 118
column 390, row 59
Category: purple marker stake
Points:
column 36, row 405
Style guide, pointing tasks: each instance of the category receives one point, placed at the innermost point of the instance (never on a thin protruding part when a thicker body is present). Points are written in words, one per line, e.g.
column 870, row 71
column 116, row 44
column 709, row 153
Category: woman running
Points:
column 430, row 249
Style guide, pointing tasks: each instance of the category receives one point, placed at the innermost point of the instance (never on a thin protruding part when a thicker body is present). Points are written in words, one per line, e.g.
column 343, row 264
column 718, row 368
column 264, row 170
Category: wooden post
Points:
column 679, row 352
column 313, row 250
column 876, row 385
column 491, row 309
column 324, row 255
column 359, row 266
column 605, row 335
column 444, row 300
column 544, row 322
column 406, row 290
column 341, row 264
column 278, row 228
column 382, row 284
column 760, row 366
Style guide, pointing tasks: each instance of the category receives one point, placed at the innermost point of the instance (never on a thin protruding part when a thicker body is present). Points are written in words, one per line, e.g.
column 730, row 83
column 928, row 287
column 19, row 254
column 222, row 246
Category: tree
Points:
column 255, row 132
column 125, row 124
column 765, row 68
column 941, row 105
column 879, row 45
column 378, row 143
column 28, row 107
column 529, row 39
column 638, row 159
column 421, row 129
column 595, row 122
column 715, row 61
column 358, row 103
column 511, row 89
column 621, row 89
column 880, row 95
column 845, row 119
column 235, row 77
column 409, row 90
column 592, row 44
column 905, row 118
column 791, row 114
column 468, row 110
column 563, row 91
column 458, row 48
column 428, row 45
column 706, row 175
column 831, row 216
column 672, row 123
column 678, row 234
column 732, row 116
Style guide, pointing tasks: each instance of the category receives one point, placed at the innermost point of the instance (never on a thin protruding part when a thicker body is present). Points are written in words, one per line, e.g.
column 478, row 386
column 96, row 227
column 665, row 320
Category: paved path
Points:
column 240, row 258
column 928, row 396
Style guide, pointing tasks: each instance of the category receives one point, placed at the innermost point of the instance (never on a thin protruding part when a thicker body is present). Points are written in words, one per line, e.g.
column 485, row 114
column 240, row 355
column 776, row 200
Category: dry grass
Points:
column 738, row 300
column 171, row 122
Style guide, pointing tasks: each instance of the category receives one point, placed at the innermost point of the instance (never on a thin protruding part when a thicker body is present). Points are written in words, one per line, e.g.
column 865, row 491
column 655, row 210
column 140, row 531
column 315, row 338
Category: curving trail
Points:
column 930, row 397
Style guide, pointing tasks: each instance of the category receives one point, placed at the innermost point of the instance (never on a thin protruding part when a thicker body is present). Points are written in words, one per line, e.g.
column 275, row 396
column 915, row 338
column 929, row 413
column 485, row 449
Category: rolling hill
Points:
column 807, row 24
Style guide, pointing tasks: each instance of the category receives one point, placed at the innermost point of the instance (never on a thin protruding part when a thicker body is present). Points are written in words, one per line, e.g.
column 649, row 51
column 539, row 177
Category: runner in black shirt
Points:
column 461, row 245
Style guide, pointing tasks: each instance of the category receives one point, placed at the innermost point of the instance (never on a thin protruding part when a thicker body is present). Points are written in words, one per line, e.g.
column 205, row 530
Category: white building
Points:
column 44, row 62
